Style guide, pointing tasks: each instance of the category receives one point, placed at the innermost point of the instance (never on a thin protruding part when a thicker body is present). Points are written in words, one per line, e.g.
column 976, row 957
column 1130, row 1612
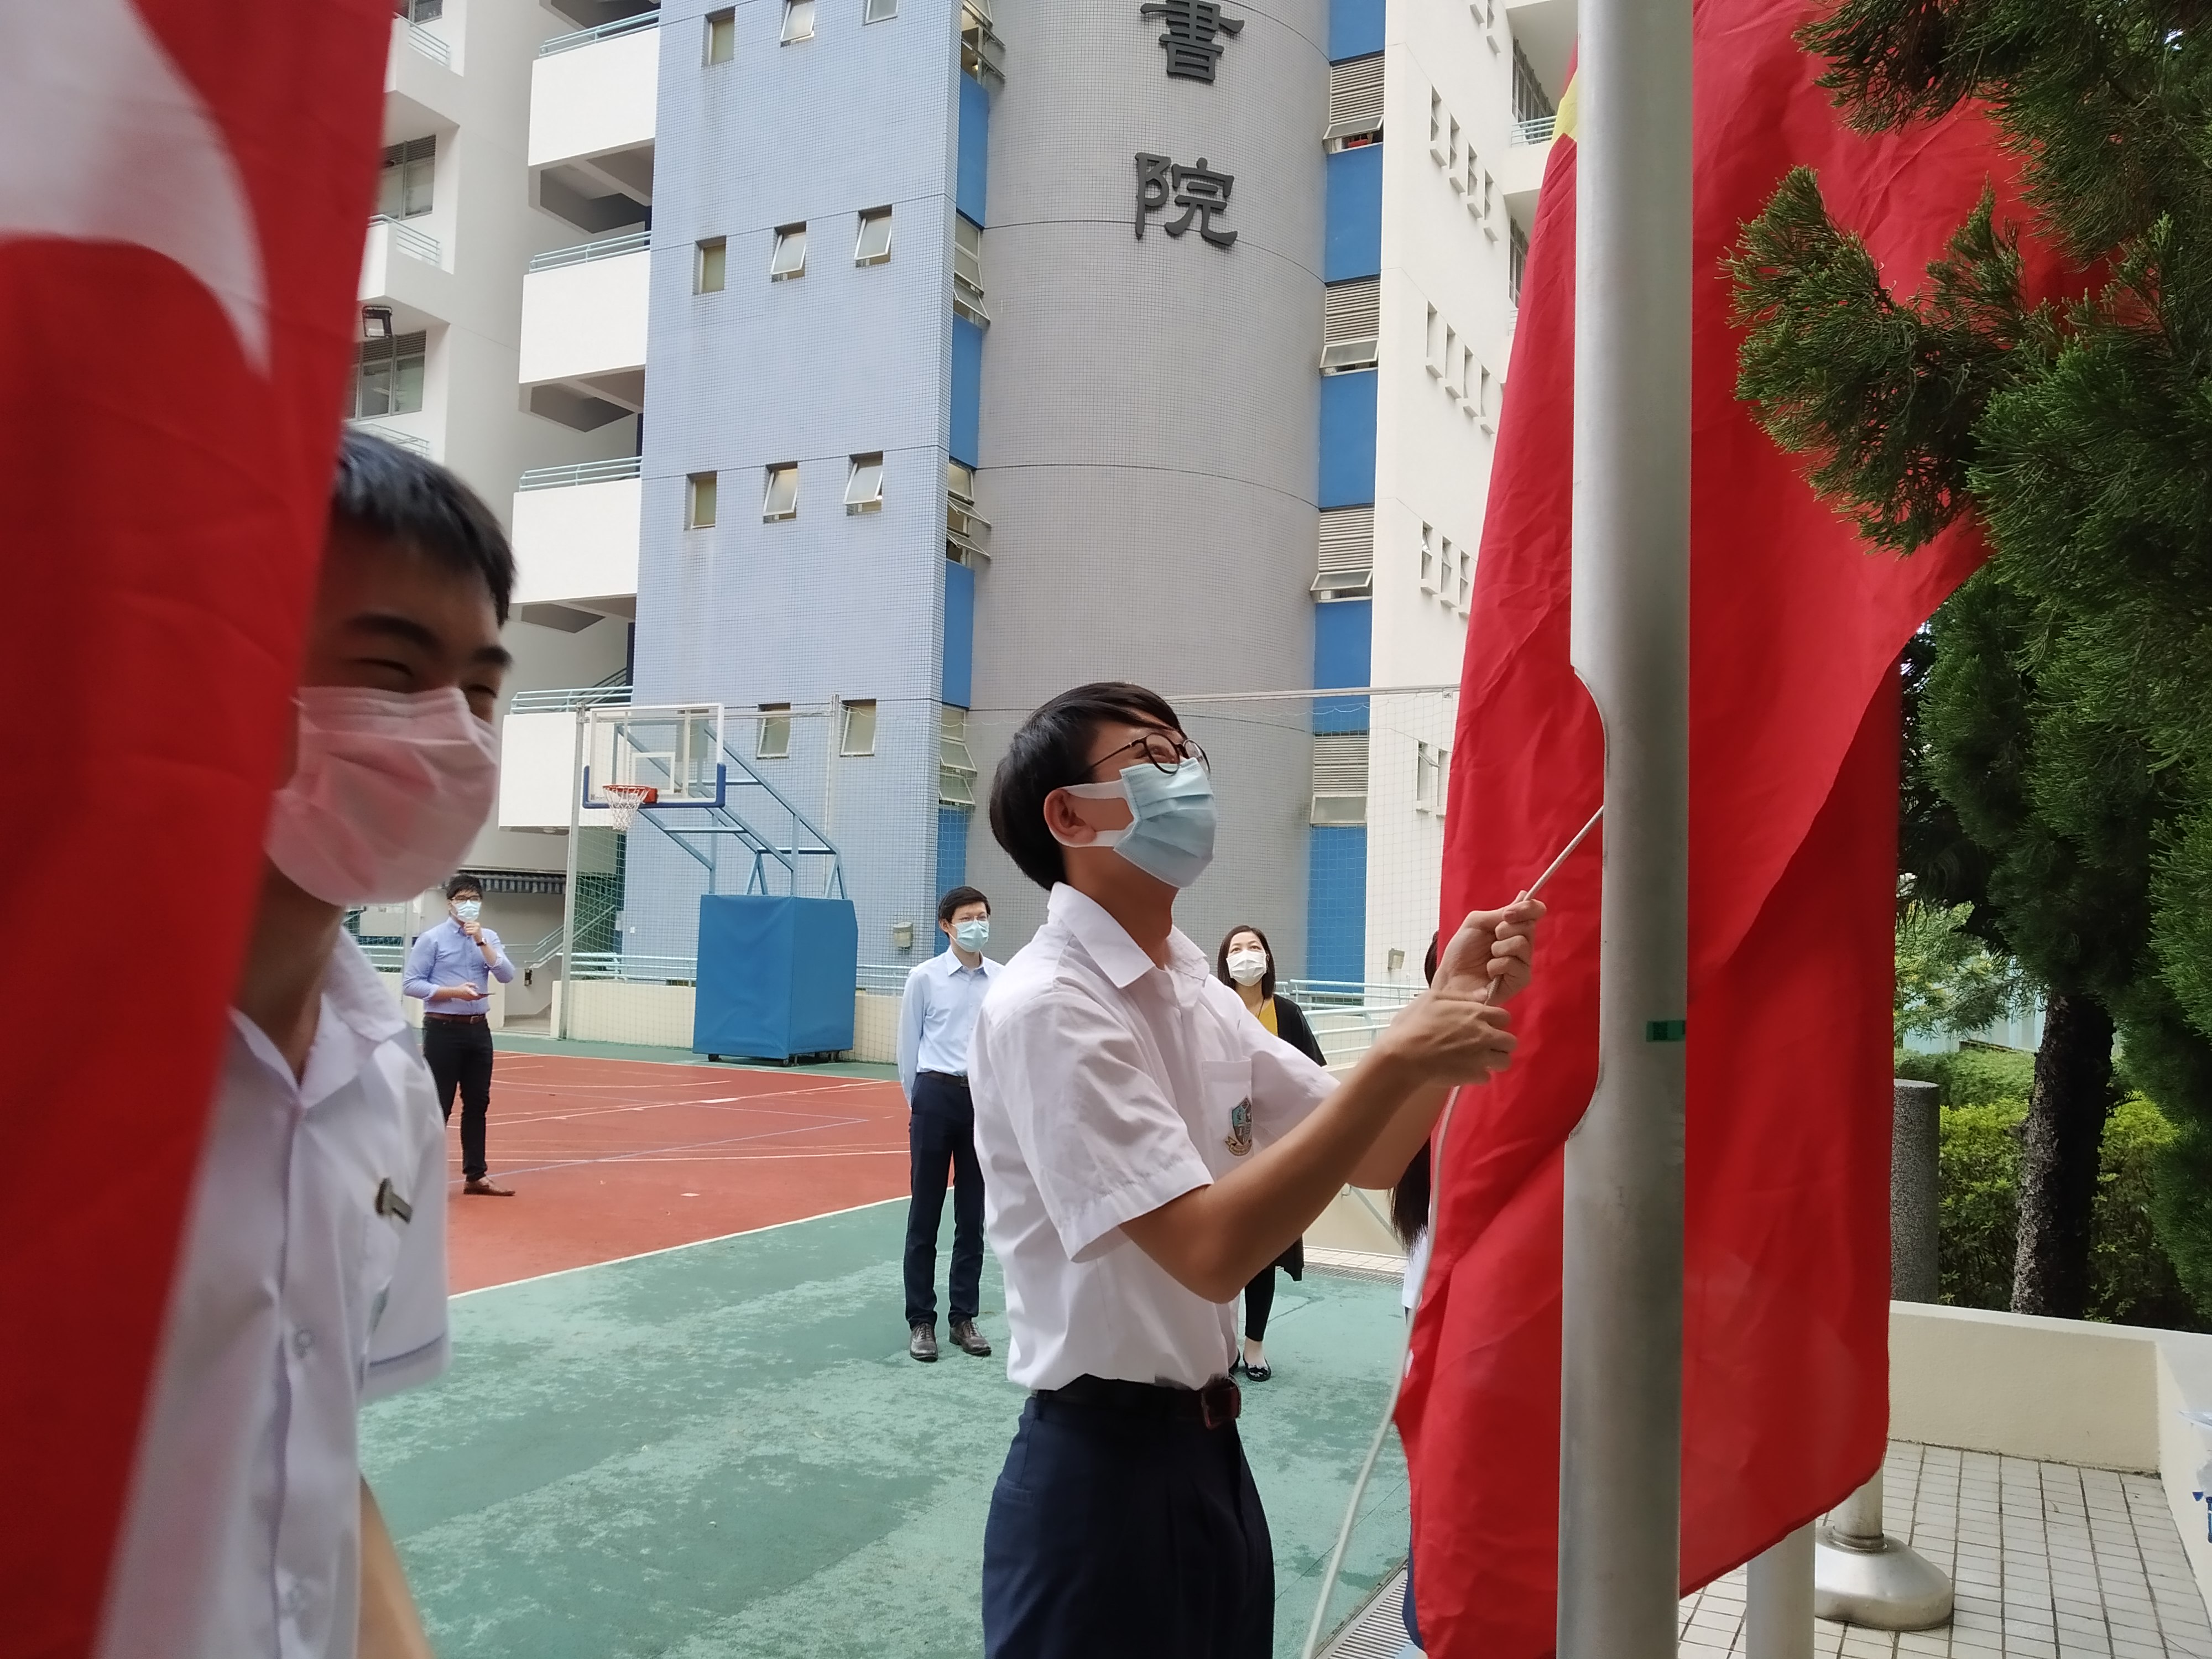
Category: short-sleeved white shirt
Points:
column 1104, row 1086
column 296, row 1298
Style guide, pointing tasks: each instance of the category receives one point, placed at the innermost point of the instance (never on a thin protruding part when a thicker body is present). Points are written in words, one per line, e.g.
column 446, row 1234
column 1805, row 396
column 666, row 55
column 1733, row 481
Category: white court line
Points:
column 644, row 1153
column 670, row 1249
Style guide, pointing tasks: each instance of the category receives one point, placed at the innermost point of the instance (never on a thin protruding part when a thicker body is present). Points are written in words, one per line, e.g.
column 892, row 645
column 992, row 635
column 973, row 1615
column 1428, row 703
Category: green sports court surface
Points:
column 722, row 1450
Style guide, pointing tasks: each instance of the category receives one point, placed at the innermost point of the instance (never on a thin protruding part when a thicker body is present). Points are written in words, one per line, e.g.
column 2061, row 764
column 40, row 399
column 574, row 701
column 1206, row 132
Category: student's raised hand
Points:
column 1494, row 952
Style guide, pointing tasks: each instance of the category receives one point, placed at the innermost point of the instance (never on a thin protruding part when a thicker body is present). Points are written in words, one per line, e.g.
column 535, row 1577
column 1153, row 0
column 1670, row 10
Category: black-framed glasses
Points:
column 1165, row 750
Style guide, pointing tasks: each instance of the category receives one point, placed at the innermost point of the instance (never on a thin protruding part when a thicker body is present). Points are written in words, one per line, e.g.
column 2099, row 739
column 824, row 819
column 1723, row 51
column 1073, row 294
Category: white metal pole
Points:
column 1778, row 1612
column 567, row 993
column 1621, row 1371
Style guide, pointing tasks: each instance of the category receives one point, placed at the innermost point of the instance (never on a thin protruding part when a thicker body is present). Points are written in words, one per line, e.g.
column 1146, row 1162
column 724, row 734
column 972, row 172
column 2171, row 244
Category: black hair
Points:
column 464, row 883
column 1221, row 959
column 958, row 896
column 1051, row 751
column 1409, row 1199
column 396, row 495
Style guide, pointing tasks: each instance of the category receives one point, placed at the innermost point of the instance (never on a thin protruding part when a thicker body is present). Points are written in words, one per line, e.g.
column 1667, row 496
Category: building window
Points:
column 712, row 265
column 1437, row 151
column 782, row 499
column 864, row 488
column 403, row 190
column 1449, row 367
column 422, row 11
column 1432, row 344
column 966, row 530
column 880, row 11
column 955, row 767
column 798, row 20
column 968, row 270
column 1466, row 578
column 981, row 53
column 874, row 245
column 388, row 377
column 1483, row 404
column 1428, row 559
column 700, row 491
column 1444, row 569
column 1350, row 324
column 1355, row 103
column 1516, row 262
column 859, row 735
column 1340, row 771
column 789, row 259
column 1347, row 567
column 721, row 35
column 774, row 742
column 1531, row 105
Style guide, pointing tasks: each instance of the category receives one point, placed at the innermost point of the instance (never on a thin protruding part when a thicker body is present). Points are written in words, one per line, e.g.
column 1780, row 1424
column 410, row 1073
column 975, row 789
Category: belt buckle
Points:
column 1219, row 1403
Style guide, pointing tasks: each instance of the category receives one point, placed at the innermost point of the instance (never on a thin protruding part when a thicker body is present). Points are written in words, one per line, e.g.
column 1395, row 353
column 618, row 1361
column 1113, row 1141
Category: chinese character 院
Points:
column 1198, row 191
column 1193, row 25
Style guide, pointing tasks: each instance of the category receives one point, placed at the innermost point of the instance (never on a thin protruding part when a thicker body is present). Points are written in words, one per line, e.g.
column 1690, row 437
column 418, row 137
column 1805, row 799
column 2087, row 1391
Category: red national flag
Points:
column 1794, row 633
column 181, row 218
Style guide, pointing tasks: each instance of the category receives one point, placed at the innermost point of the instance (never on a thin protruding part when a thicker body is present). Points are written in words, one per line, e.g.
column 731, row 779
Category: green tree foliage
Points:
column 2066, row 715
column 1949, row 982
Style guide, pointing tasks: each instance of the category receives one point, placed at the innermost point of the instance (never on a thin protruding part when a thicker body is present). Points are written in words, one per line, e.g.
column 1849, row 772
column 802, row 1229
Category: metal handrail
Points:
column 583, row 472
column 405, row 440
column 416, row 244
column 1534, row 128
column 582, row 254
column 436, row 50
column 644, row 20
column 560, row 699
column 629, row 966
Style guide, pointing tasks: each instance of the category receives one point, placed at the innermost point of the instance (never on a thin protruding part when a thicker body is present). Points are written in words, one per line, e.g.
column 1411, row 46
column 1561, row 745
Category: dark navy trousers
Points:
column 941, row 1134
column 1111, row 1534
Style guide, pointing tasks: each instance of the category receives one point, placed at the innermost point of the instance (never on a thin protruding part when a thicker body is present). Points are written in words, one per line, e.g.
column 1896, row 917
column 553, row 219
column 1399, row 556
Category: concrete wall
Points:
column 586, row 319
column 593, row 100
column 577, row 543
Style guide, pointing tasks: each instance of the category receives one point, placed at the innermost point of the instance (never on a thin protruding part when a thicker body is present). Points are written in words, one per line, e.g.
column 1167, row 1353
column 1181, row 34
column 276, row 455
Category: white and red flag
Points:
column 182, row 205
column 1795, row 634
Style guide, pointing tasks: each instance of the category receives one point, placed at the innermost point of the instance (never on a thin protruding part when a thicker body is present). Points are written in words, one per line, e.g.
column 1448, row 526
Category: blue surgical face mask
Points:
column 468, row 909
column 971, row 935
column 1170, row 836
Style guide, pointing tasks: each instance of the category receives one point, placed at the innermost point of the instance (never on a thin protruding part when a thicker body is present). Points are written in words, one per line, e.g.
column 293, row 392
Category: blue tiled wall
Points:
column 1336, row 902
column 1355, row 28
column 1353, row 244
column 1347, row 439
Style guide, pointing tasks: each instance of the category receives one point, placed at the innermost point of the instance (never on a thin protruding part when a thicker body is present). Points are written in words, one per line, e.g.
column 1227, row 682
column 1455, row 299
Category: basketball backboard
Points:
column 676, row 750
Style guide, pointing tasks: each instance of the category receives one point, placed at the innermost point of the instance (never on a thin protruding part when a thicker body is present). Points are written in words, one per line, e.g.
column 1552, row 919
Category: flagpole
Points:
column 1622, row 1351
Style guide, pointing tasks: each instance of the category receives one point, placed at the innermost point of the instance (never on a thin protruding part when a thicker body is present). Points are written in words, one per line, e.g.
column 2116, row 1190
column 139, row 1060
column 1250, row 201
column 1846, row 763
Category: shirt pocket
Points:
column 1226, row 1133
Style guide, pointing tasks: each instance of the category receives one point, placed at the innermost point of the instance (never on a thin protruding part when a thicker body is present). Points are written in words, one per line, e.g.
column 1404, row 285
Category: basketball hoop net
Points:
column 622, row 801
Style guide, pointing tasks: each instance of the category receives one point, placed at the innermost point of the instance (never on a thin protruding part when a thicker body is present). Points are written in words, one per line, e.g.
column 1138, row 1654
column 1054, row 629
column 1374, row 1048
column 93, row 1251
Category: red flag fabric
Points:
column 181, row 221
column 1794, row 633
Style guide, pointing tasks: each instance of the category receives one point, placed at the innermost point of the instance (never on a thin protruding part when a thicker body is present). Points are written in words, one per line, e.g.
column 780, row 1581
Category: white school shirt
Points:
column 1104, row 1086
column 295, row 1300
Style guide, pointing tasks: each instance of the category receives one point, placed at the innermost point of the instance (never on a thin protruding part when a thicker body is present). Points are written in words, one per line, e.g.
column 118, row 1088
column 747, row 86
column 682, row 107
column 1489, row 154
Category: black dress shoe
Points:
column 921, row 1343
column 969, row 1339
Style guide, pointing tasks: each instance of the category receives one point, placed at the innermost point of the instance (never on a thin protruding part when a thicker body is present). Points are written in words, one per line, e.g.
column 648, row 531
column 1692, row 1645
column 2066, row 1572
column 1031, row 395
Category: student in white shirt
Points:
column 312, row 1274
column 936, row 1017
column 1147, row 1145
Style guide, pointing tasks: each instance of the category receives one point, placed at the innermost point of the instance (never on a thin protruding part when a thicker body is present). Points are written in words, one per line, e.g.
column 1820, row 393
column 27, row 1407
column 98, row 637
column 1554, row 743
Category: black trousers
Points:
column 1259, row 1302
column 941, row 1133
column 1103, row 1524
column 460, row 1057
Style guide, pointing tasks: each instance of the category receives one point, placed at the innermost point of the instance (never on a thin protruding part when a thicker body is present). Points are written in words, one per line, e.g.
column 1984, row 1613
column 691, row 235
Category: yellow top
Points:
column 1267, row 1016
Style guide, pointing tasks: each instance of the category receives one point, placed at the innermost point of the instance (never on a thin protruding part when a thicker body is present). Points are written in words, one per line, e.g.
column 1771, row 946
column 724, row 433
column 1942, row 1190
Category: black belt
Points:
column 959, row 1078
column 1215, row 1405
column 457, row 1019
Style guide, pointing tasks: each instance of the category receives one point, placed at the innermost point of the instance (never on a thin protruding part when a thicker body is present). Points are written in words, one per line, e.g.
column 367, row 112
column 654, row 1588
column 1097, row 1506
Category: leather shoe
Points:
column 921, row 1343
column 481, row 1188
column 969, row 1339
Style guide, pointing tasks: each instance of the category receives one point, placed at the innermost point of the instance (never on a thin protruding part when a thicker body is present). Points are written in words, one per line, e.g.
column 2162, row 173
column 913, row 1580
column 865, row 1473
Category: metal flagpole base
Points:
column 1863, row 1575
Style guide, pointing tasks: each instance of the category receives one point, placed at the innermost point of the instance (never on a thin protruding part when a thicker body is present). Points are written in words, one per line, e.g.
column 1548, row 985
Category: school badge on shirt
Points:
column 1239, row 1137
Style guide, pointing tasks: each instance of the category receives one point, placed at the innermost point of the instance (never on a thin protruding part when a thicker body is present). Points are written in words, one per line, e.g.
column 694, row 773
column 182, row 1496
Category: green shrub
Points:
column 1984, row 1096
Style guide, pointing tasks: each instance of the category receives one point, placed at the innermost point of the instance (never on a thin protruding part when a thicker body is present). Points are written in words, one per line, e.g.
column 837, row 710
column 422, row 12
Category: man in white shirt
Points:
column 312, row 1274
column 1147, row 1146
column 936, row 1017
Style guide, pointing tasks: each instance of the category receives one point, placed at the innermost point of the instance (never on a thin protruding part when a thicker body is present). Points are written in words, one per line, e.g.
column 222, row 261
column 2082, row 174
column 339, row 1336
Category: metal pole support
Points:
column 1779, row 1620
column 1860, row 1575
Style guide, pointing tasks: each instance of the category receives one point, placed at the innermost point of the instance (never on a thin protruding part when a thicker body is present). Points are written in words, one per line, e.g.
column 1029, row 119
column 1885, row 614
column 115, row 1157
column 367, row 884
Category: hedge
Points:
column 1983, row 1097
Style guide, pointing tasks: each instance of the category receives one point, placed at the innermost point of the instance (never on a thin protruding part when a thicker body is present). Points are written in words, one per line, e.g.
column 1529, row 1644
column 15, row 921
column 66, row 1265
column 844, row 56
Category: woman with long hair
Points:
column 1246, row 963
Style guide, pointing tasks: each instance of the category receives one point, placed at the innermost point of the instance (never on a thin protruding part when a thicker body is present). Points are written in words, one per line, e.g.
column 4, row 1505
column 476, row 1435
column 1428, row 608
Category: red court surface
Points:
column 613, row 1158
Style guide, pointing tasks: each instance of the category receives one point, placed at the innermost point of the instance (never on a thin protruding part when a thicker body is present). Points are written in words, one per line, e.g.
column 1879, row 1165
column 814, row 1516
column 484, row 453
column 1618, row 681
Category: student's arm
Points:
column 1212, row 1239
column 389, row 1626
column 911, row 1007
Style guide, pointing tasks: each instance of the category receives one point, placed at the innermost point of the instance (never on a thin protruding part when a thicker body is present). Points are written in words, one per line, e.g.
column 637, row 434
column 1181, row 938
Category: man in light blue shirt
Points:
column 450, row 969
column 936, row 1017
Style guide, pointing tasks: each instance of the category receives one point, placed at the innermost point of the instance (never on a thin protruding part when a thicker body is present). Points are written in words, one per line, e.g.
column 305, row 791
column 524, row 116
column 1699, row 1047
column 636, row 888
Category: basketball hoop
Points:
column 622, row 801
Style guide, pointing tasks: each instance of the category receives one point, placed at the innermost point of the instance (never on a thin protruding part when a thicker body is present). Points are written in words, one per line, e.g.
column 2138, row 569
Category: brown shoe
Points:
column 481, row 1188
column 969, row 1339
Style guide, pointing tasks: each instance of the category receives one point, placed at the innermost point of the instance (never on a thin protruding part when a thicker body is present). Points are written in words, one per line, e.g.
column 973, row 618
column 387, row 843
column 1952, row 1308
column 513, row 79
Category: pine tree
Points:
column 2065, row 720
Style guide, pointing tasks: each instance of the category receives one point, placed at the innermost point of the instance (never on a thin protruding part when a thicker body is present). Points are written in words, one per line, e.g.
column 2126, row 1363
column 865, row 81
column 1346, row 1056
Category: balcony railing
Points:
column 437, row 50
column 583, row 472
column 567, row 699
column 644, row 20
column 610, row 247
column 405, row 440
column 415, row 244
column 1534, row 129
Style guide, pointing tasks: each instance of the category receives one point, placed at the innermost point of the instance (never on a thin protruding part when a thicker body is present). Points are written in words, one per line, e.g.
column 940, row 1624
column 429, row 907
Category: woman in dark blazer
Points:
column 1246, row 964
